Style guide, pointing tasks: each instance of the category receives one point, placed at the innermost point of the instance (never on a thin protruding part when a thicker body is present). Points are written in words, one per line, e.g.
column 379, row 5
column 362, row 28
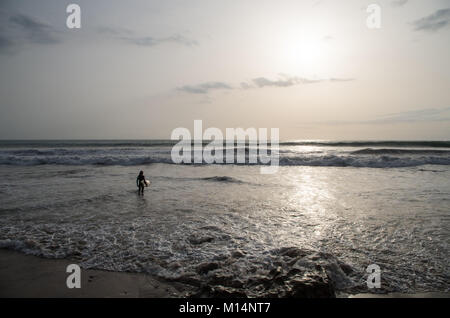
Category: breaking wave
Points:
column 371, row 151
column 363, row 158
column 280, row 272
column 380, row 154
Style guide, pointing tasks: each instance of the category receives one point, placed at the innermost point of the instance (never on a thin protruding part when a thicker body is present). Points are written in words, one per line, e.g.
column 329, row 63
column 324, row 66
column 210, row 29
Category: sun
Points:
column 304, row 54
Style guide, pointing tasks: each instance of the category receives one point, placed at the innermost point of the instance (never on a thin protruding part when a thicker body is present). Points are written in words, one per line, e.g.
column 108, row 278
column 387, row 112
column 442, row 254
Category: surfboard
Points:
column 147, row 182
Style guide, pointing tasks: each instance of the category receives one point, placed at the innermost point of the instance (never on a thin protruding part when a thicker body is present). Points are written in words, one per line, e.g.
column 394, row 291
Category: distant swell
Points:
column 222, row 179
column 76, row 161
column 369, row 162
column 169, row 143
column 371, row 151
column 353, row 160
column 374, row 154
column 419, row 144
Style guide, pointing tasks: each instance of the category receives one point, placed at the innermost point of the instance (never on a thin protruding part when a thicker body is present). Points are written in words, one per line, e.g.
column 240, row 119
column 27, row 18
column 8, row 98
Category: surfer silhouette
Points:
column 141, row 182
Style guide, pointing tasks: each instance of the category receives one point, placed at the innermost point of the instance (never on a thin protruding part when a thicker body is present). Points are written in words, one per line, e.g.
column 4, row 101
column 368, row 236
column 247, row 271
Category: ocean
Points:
column 332, row 209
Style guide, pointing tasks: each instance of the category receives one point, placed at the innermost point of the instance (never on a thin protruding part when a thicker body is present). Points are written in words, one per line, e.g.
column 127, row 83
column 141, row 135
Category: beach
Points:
column 330, row 211
column 25, row 276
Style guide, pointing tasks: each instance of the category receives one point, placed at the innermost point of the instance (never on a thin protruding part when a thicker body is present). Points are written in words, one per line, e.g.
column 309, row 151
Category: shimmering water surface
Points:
column 62, row 201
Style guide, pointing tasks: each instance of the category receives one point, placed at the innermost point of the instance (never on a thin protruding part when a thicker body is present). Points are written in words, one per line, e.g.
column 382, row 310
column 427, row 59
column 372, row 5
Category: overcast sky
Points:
column 139, row 69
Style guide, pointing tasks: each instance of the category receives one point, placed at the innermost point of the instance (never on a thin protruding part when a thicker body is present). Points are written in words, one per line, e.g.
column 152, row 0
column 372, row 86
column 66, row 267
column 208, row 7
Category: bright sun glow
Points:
column 305, row 54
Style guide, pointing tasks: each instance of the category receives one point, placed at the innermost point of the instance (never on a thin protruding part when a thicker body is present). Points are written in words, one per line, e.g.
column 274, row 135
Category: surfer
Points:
column 141, row 182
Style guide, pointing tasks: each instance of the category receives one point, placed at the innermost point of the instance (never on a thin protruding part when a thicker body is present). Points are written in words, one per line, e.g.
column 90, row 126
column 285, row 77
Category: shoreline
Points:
column 29, row 276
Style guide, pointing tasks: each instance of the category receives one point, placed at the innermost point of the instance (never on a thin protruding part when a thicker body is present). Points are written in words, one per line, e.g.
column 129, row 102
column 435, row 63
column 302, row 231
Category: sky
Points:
column 139, row 69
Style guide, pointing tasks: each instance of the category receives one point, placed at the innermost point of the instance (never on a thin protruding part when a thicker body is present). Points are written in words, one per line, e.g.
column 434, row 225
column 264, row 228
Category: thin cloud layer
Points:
column 428, row 114
column 285, row 82
column 18, row 30
column 399, row 3
column 151, row 41
column 436, row 21
column 335, row 79
column 204, row 88
column 35, row 31
column 259, row 82
column 5, row 42
column 146, row 41
column 415, row 116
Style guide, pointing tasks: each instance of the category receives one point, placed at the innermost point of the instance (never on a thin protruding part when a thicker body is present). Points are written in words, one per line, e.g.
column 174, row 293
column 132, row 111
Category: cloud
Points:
column 433, row 22
column 115, row 31
column 20, row 29
column 262, row 82
column 427, row 114
column 258, row 82
column 245, row 85
column 34, row 30
column 151, row 41
column 5, row 43
column 316, row 3
column 285, row 81
column 398, row 3
column 204, row 88
column 334, row 79
column 148, row 41
column 421, row 115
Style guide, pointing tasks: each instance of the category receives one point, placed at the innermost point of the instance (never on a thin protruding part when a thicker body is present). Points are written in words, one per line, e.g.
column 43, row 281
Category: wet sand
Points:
column 30, row 276
column 34, row 277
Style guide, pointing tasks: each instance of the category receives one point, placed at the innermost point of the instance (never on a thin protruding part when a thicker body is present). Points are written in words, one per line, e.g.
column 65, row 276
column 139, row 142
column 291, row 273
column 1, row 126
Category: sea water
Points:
column 347, row 204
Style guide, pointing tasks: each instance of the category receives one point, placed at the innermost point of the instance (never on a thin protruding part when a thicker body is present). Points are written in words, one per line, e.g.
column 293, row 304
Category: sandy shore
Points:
column 30, row 276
